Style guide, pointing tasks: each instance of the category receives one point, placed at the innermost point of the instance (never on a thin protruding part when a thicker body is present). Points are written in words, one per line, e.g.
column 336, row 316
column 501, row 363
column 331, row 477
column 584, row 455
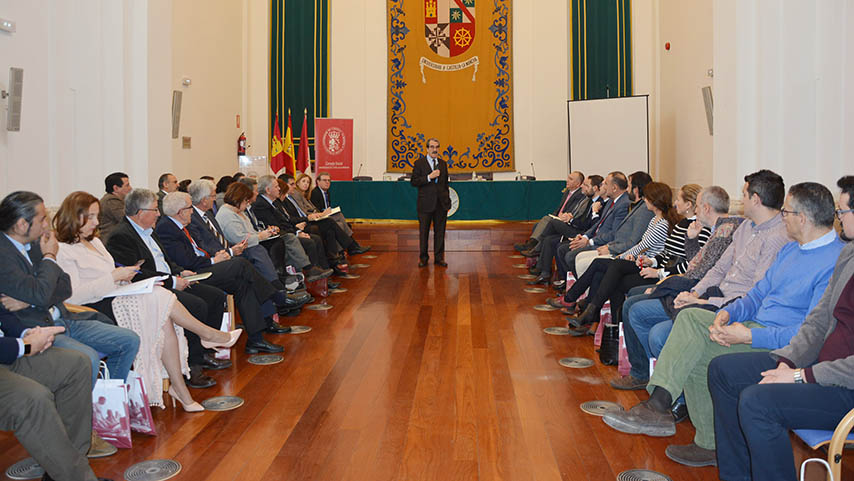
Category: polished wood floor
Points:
column 415, row 374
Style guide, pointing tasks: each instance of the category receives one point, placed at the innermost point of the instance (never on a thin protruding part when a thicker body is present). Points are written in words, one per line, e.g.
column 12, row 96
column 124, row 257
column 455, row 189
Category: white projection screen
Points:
column 609, row 134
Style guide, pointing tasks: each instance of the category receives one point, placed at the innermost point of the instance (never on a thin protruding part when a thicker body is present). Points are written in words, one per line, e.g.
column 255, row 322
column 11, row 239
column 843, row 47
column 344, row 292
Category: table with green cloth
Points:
column 478, row 200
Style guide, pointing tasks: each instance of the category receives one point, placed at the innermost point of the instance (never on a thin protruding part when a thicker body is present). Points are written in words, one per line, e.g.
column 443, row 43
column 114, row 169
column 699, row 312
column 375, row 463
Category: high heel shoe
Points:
column 193, row 407
column 233, row 336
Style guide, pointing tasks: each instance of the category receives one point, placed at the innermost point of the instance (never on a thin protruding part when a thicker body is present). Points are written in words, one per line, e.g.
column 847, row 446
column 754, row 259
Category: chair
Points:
column 837, row 439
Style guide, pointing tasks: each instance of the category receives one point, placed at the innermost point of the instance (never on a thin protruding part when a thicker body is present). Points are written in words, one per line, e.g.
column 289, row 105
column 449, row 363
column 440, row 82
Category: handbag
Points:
column 141, row 419
column 110, row 416
column 623, row 364
column 609, row 351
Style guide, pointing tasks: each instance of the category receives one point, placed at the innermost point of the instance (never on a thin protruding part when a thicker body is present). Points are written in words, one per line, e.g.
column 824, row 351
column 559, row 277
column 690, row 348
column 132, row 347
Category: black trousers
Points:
column 236, row 276
column 438, row 218
column 334, row 238
column 206, row 303
column 619, row 277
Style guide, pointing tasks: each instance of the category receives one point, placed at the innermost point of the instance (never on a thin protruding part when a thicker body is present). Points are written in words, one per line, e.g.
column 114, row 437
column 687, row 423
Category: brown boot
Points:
column 100, row 448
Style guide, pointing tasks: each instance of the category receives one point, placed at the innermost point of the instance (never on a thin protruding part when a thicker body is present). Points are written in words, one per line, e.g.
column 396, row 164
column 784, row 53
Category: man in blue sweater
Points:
column 766, row 318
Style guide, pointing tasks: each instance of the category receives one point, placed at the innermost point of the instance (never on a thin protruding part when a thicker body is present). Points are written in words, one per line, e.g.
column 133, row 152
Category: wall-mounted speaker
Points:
column 16, row 87
column 176, row 112
column 710, row 108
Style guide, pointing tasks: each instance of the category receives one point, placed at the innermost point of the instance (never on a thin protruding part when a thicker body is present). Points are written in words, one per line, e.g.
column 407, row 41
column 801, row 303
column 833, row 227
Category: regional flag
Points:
column 288, row 148
column 277, row 156
column 302, row 160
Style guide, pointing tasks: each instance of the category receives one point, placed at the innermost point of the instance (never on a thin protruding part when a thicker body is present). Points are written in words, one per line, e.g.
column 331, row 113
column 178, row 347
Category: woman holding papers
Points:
column 154, row 316
column 302, row 196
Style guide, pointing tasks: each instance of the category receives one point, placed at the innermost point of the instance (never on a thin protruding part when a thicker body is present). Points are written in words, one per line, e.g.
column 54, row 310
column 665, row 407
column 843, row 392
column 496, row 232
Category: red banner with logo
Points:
column 333, row 147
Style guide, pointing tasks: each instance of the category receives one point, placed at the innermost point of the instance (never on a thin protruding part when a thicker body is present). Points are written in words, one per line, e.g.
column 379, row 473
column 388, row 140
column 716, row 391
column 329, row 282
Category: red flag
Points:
column 302, row 163
column 277, row 154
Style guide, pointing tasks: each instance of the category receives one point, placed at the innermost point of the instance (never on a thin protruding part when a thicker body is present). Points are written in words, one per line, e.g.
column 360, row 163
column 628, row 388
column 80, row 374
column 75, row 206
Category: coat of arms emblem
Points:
column 449, row 26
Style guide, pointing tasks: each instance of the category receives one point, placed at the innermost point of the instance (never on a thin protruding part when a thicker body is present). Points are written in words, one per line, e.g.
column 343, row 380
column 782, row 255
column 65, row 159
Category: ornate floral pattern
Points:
column 494, row 143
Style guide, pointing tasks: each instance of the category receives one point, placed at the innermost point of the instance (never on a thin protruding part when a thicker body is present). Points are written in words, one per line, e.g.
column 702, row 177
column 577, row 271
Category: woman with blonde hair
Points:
column 302, row 196
column 156, row 316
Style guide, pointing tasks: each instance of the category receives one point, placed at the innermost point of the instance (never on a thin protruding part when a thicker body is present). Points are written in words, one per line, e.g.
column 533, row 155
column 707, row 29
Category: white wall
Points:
column 783, row 102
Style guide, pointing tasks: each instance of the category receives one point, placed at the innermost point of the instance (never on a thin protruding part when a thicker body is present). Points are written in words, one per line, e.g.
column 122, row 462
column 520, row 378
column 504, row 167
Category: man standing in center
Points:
column 430, row 175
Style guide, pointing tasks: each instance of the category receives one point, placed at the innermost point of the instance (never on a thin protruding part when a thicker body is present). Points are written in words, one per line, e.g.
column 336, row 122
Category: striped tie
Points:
column 215, row 232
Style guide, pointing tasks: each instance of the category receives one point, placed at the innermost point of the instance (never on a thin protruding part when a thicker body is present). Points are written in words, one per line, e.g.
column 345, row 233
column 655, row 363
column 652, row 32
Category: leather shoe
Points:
column 527, row 245
column 211, row 362
column 198, row 379
column 679, row 411
column 315, row 273
column 559, row 285
column 276, row 328
column 441, row 263
column 530, row 253
column 422, row 263
column 254, row 347
column 691, row 455
column 559, row 302
column 333, row 284
column 581, row 332
column 98, row 448
column 642, row 419
column 356, row 249
column 293, row 312
column 589, row 316
column 338, row 272
column 541, row 279
column 534, row 270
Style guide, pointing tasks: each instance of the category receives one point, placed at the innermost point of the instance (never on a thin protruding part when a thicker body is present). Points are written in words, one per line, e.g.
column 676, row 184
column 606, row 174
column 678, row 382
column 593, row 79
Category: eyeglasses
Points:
column 787, row 213
column 151, row 210
column 841, row 212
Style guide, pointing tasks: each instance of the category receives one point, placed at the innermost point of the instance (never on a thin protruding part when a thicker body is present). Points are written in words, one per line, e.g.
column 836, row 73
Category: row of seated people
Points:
column 93, row 246
column 747, row 319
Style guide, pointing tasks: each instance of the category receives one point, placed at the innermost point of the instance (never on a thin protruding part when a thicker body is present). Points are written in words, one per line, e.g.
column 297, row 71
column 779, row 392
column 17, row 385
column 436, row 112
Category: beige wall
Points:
column 207, row 47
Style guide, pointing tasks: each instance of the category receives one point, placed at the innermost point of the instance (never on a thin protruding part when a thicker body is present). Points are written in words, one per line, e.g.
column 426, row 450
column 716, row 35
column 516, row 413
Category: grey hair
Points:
column 266, row 181
column 173, row 202
column 138, row 199
column 815, row 201
column 200, row 189
column 717, row 198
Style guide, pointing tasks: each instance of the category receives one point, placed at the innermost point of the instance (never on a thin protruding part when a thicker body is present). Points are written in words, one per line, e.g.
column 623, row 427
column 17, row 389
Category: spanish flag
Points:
column 288, row 148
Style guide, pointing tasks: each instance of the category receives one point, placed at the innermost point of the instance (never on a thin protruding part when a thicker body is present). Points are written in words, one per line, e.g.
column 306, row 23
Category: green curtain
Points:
column 299, row 64
column 601, row 49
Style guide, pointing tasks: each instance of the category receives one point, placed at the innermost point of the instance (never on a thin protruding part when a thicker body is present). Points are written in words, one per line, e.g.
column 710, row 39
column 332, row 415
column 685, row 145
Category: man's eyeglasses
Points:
column 787, row 213
column 841, row 212
column 151, row 210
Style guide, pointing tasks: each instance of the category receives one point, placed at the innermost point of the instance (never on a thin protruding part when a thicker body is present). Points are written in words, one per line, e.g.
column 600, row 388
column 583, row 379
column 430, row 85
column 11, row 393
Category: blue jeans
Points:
column 93, row 337
column 752, row 421
column 637, row 355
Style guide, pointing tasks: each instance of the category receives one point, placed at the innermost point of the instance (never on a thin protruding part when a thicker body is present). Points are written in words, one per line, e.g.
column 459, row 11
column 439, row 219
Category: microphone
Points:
column 533, row 174
column 358, row 178
column 360, row 169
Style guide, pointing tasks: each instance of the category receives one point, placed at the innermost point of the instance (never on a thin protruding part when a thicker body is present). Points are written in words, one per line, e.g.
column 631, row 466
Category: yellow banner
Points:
column 450, row 77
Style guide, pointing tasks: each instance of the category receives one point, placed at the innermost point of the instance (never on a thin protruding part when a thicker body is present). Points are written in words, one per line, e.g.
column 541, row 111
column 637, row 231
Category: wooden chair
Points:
column 835, row 440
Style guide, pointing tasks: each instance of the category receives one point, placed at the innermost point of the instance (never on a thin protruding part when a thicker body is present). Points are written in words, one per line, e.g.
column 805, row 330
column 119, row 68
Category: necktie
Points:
column 214, row 231
column 605, row 213
column 301, row 213
column 325, row 199
column 568, row 195
column 252, row 219
column 187, row 233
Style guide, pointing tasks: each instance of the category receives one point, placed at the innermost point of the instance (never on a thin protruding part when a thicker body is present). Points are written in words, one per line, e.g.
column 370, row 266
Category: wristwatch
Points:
column 799, row 376
column 28, row 348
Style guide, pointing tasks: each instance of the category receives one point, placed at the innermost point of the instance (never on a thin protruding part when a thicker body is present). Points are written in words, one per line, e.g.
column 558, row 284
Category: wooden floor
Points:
column 415, row 374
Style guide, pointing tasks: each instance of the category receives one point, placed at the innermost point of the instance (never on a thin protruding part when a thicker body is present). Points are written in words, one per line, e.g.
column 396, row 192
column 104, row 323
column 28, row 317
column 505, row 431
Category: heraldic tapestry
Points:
column 450, row 67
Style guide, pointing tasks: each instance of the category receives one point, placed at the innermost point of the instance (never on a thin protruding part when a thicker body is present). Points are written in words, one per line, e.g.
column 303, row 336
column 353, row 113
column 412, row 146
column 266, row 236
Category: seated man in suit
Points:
column 269, row 209
column 134, row 240
column 46, row 398
column 256, row 299
column 29, row 274
column 117, row 186
column 205, row 230
column 165, row 184
column 557, row 230
column 601, row 232
column 566, row 210
column 335, row 240
column 320, row 196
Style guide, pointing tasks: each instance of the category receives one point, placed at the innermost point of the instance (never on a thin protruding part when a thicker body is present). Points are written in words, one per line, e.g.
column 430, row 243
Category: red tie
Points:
column 187, row 233
column 568, row 195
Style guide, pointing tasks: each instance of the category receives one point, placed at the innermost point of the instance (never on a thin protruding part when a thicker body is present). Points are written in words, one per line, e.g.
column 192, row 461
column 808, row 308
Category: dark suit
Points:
column 334, row 239
column 434, row 201
column 208, row 241
column 235, row 276
column 46, row 399
column 204, row 302
column 277, row 215
column 321, row 199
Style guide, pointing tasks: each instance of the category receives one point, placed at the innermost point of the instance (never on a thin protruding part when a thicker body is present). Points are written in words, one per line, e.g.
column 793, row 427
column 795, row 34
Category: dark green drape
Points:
column 299, row 64
column 601, row 49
